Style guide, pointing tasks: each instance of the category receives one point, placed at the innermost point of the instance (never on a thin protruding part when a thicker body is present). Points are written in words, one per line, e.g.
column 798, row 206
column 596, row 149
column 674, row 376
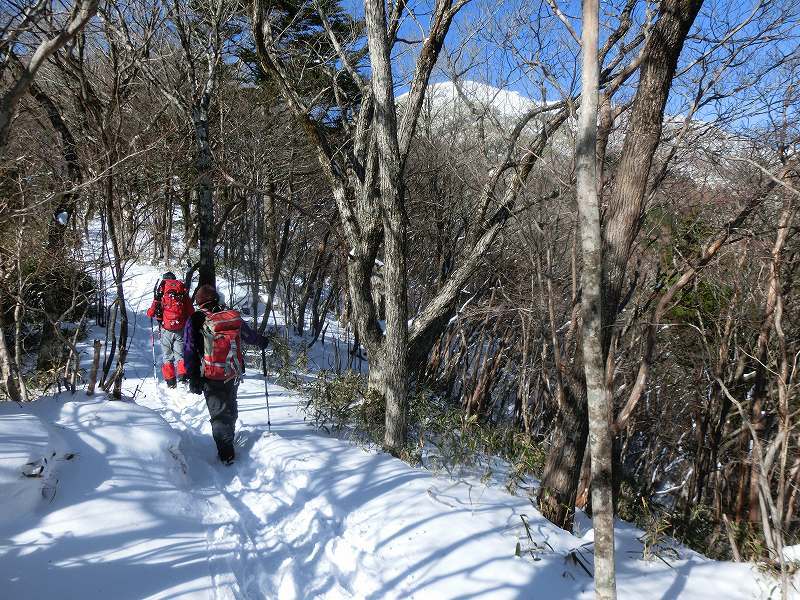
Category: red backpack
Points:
column 222, row 346
column 173, row 305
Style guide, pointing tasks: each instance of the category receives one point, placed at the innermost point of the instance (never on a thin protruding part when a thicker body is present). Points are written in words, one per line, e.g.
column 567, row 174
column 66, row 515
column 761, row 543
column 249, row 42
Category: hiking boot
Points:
column 227, row 456
column 172, row 383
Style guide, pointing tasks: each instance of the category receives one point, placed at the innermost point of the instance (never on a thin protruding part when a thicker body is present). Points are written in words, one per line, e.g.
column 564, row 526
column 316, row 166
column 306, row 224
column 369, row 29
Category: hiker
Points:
column 212, row 349
column 171, row 307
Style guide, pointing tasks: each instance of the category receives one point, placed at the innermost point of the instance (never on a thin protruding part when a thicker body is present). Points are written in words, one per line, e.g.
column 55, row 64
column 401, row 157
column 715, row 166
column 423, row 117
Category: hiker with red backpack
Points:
column 172, row 307
column 212, row 350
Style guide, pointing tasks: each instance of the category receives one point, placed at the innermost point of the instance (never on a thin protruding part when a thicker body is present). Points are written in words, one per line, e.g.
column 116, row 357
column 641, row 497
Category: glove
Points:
column 196, row 386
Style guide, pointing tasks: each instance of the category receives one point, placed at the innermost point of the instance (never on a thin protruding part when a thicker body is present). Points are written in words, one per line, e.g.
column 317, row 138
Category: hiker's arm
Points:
column 151, row 312
column 253, row 337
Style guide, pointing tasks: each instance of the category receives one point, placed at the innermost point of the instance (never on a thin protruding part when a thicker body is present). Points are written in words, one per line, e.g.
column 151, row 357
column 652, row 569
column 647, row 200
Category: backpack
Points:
column 173, row 304
column 158, row 292
column 222, row 346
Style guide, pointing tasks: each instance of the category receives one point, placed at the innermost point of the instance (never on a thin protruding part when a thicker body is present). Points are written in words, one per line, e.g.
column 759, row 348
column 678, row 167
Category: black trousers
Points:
column 223, row 410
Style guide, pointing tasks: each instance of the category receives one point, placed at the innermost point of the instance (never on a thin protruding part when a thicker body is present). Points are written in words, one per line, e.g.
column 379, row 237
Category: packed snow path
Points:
column 132, row 503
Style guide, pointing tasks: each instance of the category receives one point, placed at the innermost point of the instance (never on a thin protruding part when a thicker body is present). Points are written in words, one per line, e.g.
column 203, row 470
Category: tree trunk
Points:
column 311, row 284
column 186, row 212
column 600, row 438
column 19, row 313
column 772, row 312
column 118, row 272
column 93, row 371
column 395, row 344
column 205, row 192
column 562, row 467
column 277, row 263
column 7, row 370
column 626, row 204
column 166, row 251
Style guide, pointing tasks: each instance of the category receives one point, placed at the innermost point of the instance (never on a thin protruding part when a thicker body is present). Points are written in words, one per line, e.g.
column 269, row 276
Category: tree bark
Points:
column 277, row 263
column 204, row 190
column 118, row 272
column 394, row 351
column 598, row 398
column 563, row 464
column 312, row 285
column 7, row 370
column 93, row 371
column 626, row 204
column 621, row 225
column 771, row 309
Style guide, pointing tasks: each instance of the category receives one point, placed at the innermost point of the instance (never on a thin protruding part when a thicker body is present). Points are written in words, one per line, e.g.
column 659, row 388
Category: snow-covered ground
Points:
column 127, row 500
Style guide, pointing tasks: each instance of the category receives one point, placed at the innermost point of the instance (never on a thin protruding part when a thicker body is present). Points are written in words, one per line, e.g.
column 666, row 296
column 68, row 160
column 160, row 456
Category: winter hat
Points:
column 206, row 294
column 168, row 275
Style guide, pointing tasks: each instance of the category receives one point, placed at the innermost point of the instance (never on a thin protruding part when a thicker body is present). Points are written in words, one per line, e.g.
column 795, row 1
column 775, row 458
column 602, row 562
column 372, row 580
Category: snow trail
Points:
column 145, row 510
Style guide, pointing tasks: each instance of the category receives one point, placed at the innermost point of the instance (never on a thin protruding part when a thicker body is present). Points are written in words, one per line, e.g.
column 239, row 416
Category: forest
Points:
column 556, row 234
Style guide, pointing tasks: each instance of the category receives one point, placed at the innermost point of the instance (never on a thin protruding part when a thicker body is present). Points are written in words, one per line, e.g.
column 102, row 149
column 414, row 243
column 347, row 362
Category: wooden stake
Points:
column 93, row 372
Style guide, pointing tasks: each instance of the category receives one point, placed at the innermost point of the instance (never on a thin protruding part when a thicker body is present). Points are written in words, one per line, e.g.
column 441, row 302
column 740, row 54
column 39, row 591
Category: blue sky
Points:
column 501, row 40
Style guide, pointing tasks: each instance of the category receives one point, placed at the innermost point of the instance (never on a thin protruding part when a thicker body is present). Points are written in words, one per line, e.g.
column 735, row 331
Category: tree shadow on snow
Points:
column 137, row 547
column 343, row 521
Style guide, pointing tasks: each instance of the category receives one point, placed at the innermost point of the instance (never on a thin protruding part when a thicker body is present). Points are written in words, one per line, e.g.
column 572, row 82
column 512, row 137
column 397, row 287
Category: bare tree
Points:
column 369, row 188
column 41, row 16
column 201, row 30
column 622, row 220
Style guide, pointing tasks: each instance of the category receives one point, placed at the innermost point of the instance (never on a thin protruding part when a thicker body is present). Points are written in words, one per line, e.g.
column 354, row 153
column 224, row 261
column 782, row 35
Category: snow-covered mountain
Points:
column 469, row 111
column 455, row 110
column 470, row 96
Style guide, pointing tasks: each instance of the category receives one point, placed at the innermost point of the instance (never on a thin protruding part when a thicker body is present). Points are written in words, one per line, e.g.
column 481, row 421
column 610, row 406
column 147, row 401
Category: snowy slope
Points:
column 445, row 96
column 134, row 504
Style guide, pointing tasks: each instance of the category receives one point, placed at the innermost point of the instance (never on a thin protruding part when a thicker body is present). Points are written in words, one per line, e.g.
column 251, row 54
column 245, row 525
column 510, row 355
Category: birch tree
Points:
column 600, row 439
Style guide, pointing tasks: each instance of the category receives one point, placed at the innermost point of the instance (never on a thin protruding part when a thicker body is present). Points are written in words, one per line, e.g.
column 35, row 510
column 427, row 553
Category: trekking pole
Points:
column 153, row 346
column 266, row 385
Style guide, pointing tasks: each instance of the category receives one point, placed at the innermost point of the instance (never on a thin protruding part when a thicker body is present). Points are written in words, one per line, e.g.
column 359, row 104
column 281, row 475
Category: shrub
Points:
column 342, row 403
column 440, row 437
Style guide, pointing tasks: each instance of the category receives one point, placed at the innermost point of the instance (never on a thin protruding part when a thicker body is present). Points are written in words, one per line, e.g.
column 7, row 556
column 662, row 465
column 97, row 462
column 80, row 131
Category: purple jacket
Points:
column 193, row 342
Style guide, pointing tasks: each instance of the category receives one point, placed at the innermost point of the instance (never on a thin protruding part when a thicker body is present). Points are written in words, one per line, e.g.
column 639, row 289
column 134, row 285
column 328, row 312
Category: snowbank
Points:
column 118, row 514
